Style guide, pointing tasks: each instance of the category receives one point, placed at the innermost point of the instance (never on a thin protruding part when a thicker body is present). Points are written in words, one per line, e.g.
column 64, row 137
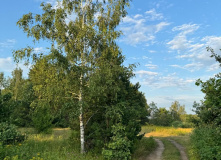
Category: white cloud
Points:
column 192, row 67
column 148, row 73
column 161, row 25
column 137, row 29
column 194, row 51
column 152, row 51
column 186, row 28
column 7, row 65
column 39, row 49
column 179, row 43
column 152, row 15
column 213, row 67
column 8, row 43
column 151, row 66
column 145, row 57
column 138, row 16
column 155, row 81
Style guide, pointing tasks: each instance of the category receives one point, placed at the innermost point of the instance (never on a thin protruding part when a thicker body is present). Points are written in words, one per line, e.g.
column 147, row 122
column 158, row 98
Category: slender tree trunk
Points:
column 81, row 116
column 81, row 95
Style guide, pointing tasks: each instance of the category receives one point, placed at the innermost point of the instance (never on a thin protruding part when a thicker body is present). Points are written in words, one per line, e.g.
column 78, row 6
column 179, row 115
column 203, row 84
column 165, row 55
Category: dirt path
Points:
column 180, row 148
column 157, row 154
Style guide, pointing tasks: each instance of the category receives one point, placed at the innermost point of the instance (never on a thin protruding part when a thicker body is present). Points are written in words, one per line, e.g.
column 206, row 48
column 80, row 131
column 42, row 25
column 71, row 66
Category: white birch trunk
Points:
column 81, row 96
column 81, row 117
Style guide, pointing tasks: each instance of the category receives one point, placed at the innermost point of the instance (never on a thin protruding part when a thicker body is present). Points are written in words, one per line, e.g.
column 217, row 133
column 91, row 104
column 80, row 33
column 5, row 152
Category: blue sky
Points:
column 167, row 38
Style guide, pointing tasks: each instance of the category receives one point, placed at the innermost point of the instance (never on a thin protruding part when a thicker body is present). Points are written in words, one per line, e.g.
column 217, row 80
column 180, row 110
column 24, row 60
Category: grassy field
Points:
column 59, row 146
column 144, row 148
column 55, row 146
column 159, row 131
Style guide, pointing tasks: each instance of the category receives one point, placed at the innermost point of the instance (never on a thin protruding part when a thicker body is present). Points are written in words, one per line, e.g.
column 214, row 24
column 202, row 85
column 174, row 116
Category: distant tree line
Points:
column 175, row 116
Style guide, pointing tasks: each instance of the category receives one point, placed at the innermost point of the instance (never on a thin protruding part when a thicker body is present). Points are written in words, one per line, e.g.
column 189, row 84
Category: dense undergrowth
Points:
column 62, row 144
column 144, row 147
column 206, row 143
column 55, row 146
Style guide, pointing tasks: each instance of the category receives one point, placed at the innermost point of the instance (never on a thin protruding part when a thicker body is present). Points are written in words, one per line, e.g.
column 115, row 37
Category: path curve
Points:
column 157, row 154
column 180, row 148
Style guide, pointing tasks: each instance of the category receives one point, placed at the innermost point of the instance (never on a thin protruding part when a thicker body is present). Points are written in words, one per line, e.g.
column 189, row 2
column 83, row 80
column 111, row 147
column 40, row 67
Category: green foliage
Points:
column 119, row 146
column 206, row 139
column 177, row 111
column 161, row 117
column 176, row 124
column 179, row 124
column 6, row 107
column 9, row 134
column 84, row 68
column 41, row 117
column 175, row 116
column 209, row 111
column 56, row 146
column 206, row 143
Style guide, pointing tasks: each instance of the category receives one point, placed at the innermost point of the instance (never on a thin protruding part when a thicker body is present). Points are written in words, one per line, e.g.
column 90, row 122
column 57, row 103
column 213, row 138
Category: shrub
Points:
column 206, row 143
column 187, row 125
column 9, row 134
column 41, row 117
column 177, row 124
column 119, row 146
column 143, row 147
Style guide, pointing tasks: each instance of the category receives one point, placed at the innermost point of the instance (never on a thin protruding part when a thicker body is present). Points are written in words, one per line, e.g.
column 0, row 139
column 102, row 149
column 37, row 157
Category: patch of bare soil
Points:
column 180, row 148
column 157, row 154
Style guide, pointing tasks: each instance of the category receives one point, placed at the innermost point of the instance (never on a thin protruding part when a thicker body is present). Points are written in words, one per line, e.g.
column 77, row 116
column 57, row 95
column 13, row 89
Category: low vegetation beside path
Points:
column 60, row 145
column 180, row 135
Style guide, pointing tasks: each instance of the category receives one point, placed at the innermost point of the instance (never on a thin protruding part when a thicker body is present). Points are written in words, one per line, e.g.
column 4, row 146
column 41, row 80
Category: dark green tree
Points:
column 177, row 111
column 83, row 40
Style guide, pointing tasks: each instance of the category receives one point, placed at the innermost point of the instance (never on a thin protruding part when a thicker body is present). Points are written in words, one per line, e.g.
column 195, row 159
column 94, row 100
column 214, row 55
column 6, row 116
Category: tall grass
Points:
column 160, row 131
column 170, row 152
column 186, row 143
column 55, row 146
column 143, row 148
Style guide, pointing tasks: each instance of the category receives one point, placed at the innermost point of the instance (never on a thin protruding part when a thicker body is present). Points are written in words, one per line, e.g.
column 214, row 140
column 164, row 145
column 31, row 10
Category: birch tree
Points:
column 79, row 30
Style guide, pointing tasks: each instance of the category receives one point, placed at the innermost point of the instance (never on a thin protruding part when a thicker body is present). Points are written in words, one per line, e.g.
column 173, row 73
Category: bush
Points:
column 119, row 146
column 9, row 134
column 41, row 117
column 144, row 147
column 177, row 124
column 187, row 125
column 206, row 143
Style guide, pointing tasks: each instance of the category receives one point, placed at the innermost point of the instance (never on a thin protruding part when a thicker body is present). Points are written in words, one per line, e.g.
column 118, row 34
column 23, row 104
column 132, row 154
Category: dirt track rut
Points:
column 157, row 154
column 180, row 148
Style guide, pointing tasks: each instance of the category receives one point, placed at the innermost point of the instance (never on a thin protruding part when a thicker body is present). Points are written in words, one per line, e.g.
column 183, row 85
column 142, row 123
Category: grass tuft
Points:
column 144, row 147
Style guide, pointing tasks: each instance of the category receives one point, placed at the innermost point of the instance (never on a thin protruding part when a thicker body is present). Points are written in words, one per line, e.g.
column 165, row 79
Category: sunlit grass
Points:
column 160, row 131
column 55, row 146
column 144, row 147
column 170, row 152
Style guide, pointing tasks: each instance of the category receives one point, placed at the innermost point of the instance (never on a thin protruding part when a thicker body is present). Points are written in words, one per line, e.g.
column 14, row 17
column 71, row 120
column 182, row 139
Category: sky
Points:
column 166, row 39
